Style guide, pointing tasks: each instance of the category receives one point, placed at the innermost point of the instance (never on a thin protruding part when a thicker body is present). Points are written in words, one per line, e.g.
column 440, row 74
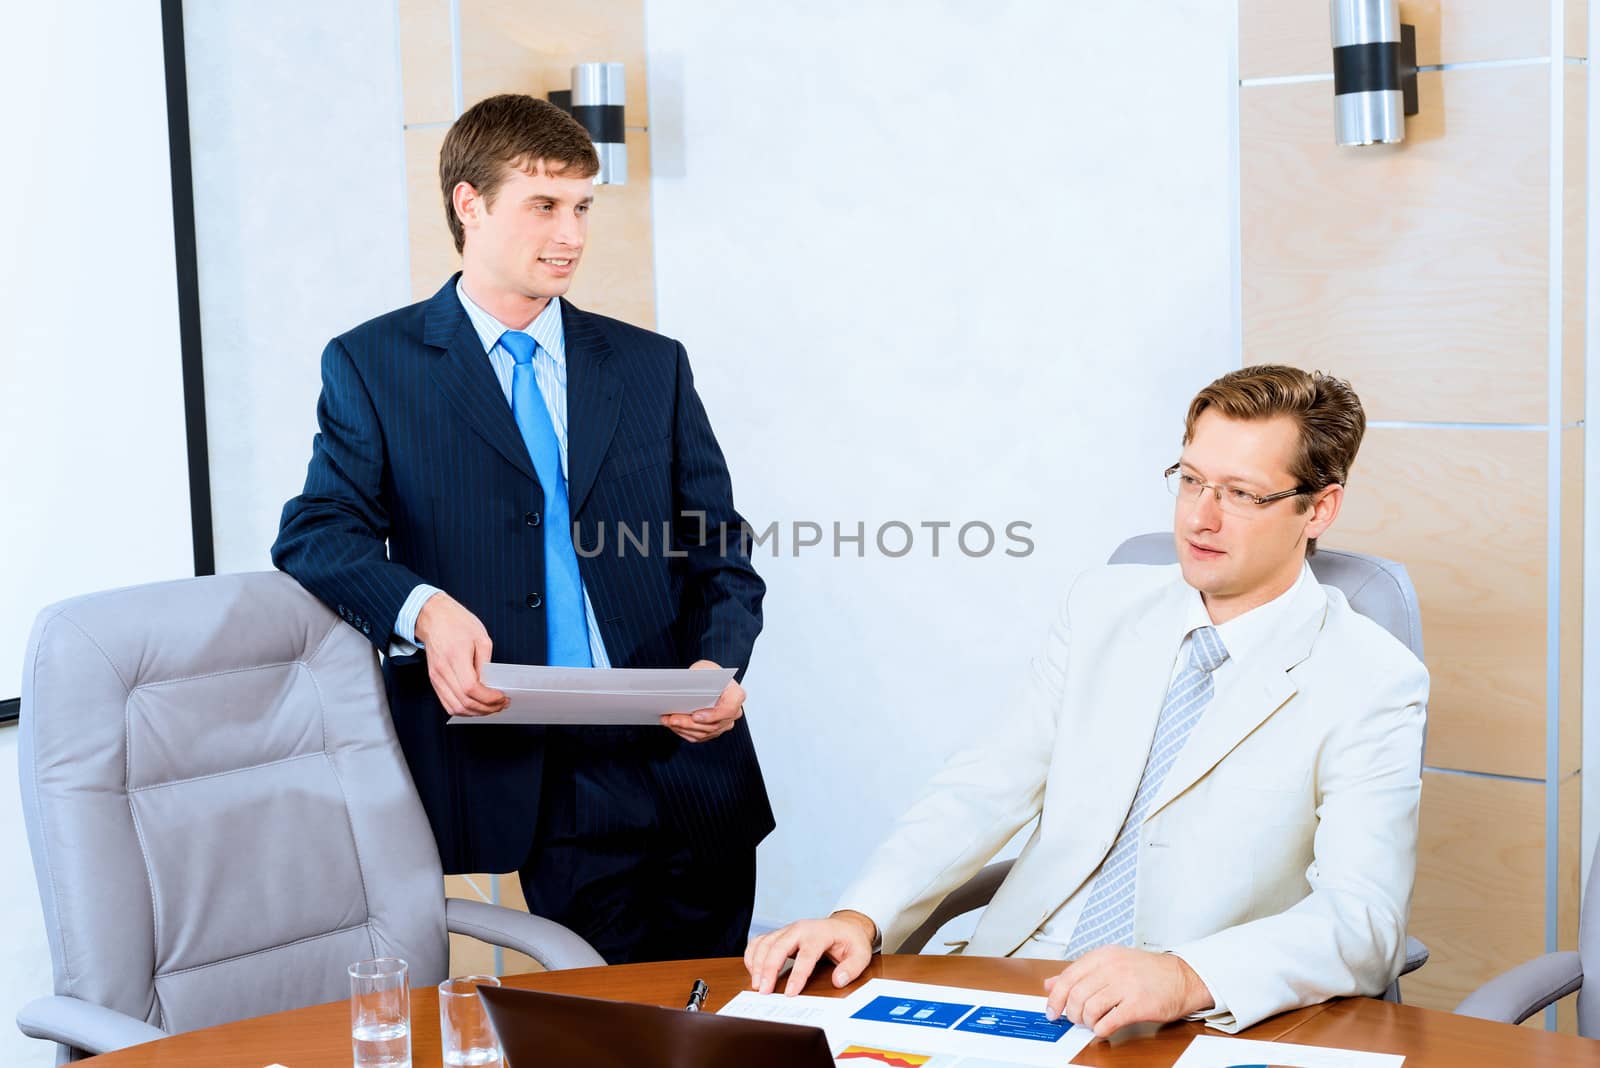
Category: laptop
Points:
column 539, row 1030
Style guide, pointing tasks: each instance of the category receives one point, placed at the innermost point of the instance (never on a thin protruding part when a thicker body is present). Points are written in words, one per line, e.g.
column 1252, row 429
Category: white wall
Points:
column 93, row 469
column 301, row 229
column 933, row 261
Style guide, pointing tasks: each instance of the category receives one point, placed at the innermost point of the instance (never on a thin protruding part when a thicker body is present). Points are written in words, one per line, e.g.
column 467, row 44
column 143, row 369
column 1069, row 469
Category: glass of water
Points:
column 380, row 1013
column 464, row 1030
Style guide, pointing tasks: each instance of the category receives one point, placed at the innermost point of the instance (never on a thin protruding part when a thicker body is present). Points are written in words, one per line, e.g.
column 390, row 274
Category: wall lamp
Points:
column 1374, row 72
column 596, row 99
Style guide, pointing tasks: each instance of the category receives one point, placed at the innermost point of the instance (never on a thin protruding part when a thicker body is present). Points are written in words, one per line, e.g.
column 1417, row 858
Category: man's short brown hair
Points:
column 506, row 131
column 1325, row 408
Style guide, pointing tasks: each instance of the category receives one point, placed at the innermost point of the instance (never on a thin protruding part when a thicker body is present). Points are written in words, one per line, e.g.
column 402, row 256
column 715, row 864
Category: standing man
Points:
column 479, row 455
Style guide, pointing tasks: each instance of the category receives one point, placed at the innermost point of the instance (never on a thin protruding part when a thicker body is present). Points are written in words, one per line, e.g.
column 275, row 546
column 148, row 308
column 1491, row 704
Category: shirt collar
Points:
column 546, row 329
column 1243, row 635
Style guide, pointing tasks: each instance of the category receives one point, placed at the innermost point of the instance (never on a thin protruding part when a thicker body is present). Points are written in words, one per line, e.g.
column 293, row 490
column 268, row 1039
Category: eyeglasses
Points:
column 1230, row 499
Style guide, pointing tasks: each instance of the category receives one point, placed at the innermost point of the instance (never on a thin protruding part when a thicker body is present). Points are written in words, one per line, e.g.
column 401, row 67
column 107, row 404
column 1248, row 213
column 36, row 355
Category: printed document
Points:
column 598, row 696
column 1210, row 1051
column 916, row 1025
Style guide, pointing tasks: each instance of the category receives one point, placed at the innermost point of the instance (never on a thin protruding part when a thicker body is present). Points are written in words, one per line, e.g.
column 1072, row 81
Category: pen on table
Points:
column 697, row 996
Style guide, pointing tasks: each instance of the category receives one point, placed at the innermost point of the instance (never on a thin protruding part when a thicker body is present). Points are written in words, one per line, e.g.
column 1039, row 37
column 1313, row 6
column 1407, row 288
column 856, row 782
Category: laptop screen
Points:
column 540, row 1030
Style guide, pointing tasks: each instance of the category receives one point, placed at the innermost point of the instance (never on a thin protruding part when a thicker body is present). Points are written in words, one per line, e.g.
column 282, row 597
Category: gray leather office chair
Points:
column 220, row 817
column 1517, row 994
column 1377, row 588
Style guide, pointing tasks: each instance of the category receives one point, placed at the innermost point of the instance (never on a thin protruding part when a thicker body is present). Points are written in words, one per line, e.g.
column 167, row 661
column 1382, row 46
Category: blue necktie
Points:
column 566, row 625
column 1107, row 917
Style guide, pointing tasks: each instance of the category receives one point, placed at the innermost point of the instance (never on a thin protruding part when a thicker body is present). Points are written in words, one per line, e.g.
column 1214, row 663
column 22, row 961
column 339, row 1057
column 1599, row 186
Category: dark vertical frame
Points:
column 183, row 243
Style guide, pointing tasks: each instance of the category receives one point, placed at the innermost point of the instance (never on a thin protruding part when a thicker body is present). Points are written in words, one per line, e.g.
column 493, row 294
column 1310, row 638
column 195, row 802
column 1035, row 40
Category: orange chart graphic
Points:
column 883, row 1056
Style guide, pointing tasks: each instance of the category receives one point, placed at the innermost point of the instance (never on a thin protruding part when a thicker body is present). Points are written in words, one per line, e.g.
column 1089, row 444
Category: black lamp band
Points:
column 603, row 121
column 1367, row 68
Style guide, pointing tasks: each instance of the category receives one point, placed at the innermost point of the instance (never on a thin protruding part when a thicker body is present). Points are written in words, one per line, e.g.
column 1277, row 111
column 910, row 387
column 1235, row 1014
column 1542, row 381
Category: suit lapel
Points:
column 594, row 399
column 1255, row 693
column 466, row 379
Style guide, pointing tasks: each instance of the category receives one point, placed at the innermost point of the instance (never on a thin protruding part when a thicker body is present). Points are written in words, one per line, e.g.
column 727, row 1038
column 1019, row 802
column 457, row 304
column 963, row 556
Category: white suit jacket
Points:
column 1279, row 855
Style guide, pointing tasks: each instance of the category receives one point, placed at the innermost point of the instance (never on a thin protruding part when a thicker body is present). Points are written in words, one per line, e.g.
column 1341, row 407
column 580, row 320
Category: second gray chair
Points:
column 220, row 817
column 1377, row 588
column 1519, row 993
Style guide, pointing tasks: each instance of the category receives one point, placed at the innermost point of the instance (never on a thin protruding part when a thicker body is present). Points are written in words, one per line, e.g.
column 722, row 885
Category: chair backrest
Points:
column 219, row 814
column 1379, row 589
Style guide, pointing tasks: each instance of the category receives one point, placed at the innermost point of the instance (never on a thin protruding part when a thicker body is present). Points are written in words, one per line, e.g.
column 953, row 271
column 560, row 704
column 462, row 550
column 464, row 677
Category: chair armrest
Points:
column 547, row 942
column 1416, row 956
column 972, row 894
column 83, row 1025
column 1516, row 995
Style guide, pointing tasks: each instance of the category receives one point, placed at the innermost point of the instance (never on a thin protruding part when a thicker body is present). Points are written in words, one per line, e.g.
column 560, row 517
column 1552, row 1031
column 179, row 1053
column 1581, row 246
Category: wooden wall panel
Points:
column 1464, row 510
column 433, row 253
column 617, row 274
column 1577, row 35
column 1573, row 241
column 1278, row 37
column 1571, row 621
column 509, row 47
column 1569, row 889
column 427, row 69
column 1479, row 901
column 1422, row 272
column 518, row 46
column 1419, row 270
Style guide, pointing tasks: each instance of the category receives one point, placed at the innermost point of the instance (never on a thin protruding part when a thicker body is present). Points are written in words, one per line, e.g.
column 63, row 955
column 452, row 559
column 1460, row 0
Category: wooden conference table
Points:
column 319, row 1036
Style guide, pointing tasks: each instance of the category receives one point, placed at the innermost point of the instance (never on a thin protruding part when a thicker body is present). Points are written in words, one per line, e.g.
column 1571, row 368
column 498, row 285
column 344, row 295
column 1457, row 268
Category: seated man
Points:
column 1224, row 758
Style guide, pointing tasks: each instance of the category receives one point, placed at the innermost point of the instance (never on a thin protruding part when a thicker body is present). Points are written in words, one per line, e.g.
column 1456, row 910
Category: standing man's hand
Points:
column 846, row 937
column 457, row 647
column 703, row 724
column 1111, row 987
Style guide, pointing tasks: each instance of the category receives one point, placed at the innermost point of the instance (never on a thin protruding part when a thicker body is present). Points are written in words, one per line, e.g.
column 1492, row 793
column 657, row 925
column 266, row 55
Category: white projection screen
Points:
column 93, row 454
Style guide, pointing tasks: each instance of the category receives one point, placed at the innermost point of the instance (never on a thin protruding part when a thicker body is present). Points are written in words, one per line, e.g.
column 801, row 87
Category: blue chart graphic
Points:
column 1014, row 1023
column 940, row 1014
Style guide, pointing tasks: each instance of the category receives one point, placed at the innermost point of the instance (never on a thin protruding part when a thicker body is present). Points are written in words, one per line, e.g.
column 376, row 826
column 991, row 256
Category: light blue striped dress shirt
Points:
column 550, row 372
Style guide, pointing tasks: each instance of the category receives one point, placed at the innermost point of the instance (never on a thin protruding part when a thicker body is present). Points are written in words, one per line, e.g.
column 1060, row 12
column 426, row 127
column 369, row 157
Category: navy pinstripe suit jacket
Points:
column 419, row 473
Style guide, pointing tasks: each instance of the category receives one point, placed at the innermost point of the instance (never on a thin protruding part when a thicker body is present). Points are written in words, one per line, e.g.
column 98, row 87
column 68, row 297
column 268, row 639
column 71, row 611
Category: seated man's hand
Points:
column 1113, row 986
column 704, row 724
column 845, row 936
column 457, row 647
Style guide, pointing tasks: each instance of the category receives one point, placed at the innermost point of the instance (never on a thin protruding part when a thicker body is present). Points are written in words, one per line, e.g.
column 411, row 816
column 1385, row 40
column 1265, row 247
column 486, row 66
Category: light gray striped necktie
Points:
column 1107, row 917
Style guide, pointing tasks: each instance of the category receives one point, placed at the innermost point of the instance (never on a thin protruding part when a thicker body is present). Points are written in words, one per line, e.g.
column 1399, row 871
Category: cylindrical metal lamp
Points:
column 599, row 91
column 1368, row 103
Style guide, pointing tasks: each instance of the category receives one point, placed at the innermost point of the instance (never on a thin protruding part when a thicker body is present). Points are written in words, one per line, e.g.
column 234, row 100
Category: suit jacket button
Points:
column 366, row 628
column 534, row 600
column 531, row 518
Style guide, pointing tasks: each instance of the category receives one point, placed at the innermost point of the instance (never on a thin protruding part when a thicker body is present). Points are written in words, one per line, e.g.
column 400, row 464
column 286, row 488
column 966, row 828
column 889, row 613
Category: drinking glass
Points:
column 380, row 1013
column 464, row 1031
